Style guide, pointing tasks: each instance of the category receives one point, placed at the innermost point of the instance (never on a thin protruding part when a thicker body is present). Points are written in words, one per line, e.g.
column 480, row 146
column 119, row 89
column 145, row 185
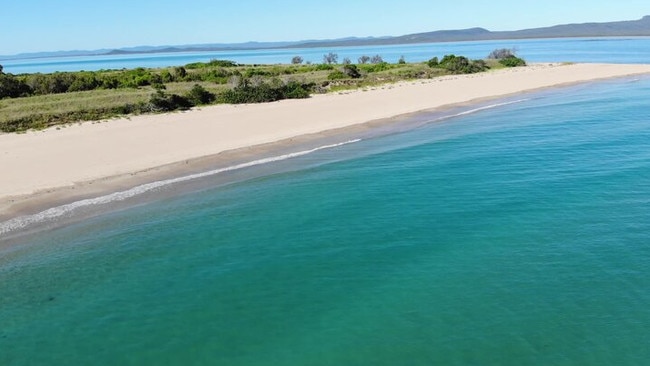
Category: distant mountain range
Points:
column 633, row 28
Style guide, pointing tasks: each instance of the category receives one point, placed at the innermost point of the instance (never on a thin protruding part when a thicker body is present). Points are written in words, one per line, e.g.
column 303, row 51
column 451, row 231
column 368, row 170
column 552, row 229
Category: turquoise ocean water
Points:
column 514, row 235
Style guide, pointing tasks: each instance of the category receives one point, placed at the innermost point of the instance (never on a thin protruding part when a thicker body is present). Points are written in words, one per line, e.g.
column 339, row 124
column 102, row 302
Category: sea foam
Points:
column 58, row 212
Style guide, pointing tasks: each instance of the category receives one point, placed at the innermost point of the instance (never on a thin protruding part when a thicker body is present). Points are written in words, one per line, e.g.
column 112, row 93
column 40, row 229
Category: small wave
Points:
column 64, row 210
column 491, row 106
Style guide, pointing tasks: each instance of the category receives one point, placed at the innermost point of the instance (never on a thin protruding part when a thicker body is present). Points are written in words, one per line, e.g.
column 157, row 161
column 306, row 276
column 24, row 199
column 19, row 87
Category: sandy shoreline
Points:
column 47, row 168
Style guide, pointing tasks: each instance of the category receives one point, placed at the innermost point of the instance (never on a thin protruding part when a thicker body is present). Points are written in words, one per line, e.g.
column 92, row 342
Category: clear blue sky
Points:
column 49, row 25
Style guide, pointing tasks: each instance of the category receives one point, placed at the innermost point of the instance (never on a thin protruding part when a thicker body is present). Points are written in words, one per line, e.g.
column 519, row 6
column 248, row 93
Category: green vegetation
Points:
column 512, row 61
column 41, row 100
column 262, row 91
column 506, row 57
column 458, row 64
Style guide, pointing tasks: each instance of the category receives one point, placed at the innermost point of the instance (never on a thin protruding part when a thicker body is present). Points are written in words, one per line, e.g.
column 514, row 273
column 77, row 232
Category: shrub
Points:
column 337, row 75
column 263, row 92
column 212, row 63
column 163, row 102
column 179, row 73
column 324, row 67
column 198, row 95
column 296, row 90
column 255, row 72
column 222, row 63
column 166, row 76
column 506, row 57
column 351, row 71
column 375, row 67
column 512, row 61
column 458, row 64
column 297, row 60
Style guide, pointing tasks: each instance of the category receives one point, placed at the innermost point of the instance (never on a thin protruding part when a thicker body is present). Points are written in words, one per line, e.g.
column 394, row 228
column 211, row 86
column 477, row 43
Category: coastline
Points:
column 58, row 166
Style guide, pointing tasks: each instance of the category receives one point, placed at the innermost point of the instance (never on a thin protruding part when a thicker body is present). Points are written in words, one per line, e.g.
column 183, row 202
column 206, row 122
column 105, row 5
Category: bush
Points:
column 222, row 63
column 179, row 73
column 337, row 75
column 382, row 66
column 296, row 90
column 297, row 60
column 433, row 62
column 512, row 61
column 351, row 71
column 459, row 64
column 263, row 92
column 324, row 67
column 250, row 72
column 198, row 95
column 163, row 102
column 212, row 63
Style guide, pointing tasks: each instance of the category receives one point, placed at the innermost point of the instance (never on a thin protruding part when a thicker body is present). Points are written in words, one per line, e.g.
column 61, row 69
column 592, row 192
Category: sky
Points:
column 55, row 25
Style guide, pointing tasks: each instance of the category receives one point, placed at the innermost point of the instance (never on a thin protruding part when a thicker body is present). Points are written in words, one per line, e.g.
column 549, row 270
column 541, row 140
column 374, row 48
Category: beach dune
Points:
column 41, row 163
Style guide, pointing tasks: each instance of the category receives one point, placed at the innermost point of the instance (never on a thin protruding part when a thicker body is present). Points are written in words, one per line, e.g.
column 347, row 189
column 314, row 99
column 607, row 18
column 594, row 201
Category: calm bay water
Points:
column 612, row 50
column 512, row 236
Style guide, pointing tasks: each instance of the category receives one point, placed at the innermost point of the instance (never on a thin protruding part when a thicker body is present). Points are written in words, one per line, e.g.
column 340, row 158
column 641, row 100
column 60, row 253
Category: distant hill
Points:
column 632, row 28
column 612, row 29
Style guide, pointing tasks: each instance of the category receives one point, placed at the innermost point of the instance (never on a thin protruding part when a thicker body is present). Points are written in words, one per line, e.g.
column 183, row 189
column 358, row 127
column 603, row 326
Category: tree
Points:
column 364, row 59
column 346, row 61
column 297, row 60
column 501, row 53
column 402, row 60
column 330, row 58
column 376, row 59
column 11, row 87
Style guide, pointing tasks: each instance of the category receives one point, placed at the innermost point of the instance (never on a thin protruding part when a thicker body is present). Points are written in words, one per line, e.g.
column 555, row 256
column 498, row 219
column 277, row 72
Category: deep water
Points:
column 516, row 235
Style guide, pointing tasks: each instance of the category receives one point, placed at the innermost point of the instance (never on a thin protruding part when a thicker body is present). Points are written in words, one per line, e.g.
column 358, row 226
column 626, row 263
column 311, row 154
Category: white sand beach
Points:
column 38, row 164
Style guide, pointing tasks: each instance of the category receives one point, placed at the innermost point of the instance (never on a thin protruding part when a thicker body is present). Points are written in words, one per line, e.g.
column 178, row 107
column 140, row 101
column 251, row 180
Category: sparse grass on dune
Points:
column 41, row 111
column 45, row 110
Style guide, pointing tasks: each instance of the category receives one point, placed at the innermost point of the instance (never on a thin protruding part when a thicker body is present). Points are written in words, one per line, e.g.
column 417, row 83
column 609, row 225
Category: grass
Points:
column 43, row 111
column 46, row 110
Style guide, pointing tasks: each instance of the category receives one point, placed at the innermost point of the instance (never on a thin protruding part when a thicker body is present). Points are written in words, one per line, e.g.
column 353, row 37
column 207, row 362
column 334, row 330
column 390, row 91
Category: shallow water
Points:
column 515, row 235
